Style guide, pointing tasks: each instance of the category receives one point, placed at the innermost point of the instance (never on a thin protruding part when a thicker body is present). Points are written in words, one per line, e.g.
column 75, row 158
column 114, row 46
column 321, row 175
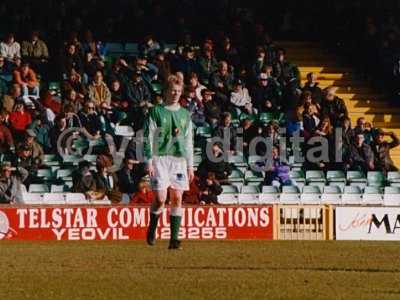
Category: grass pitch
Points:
column 202, row 270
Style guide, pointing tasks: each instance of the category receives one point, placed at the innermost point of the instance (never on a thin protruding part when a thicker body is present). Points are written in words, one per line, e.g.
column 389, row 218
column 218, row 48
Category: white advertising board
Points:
column 368, row 223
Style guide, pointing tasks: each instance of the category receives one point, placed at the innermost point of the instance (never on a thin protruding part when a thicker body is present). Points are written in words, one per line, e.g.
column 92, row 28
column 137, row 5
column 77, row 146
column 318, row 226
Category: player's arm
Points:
column 150, row 129
column 189, row 150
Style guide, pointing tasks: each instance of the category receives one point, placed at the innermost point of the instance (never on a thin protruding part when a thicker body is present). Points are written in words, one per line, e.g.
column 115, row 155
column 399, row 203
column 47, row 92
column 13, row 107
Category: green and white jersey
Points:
column 168, row 132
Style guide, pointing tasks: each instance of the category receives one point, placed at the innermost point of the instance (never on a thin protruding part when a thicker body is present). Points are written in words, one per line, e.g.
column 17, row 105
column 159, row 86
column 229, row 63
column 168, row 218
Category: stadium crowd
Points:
column 238, row 86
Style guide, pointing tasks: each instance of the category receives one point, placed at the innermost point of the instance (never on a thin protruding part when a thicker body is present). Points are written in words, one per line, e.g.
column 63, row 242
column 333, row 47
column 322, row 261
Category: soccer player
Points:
column 169, row 153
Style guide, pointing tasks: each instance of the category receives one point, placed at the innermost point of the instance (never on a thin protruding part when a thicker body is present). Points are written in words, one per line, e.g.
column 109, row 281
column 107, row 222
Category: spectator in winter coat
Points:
column 227, row 132
column 195, row 84
column 222, row 83
column 381, row 149
column 10, row 183
column 241, row 99
column 207, row 64
column 144, row 195
column 312, row 86
column 333, row 106
column 361, row 156
column 98, row 90
column 194, row 106
column 276, row 171
column 212, row 109
column 6, row 137
column 138, row 93
column 20, row 119
column 186, row 64
column 265, row 94
column 10, row 99
column 35, row 51
column 209, row 188
column 71, row 60
column 216, row 164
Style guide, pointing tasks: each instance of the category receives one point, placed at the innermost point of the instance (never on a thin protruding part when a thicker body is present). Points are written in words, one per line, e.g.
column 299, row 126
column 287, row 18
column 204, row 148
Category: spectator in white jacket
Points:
column 241, row 99
column 10, row 49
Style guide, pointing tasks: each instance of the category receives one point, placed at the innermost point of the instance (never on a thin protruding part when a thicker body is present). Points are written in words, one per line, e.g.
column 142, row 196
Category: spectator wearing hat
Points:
column 84, row 181
column 26, row 78
column 25, row 160
column 312, row 86
column 10, row 49
column 265, row 94
column 148, row 71
column 381, row 149
column 98, row 90
column 222, row 83
column 241, row 99
column 11, row 182
column 212, row 110
column 36, row 150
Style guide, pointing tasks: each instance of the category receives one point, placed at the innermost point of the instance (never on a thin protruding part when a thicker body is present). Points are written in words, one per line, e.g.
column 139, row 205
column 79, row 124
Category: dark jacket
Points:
column 259, row 94
column 137, row 92
column 383, row 161
column 128, row 181
column 221, row 169
column 335, row 109
column 361, row 158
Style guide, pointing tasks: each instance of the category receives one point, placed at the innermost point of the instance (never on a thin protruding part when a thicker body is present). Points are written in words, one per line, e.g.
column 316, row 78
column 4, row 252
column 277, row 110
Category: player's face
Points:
column 174, row 93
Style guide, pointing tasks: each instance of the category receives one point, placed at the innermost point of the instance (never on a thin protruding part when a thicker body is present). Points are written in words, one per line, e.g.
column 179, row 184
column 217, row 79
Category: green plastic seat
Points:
column 45, row 174
column 251, row 176
column 236, row 176
column 250, row 189
column 265, row 118
column 335, row 176
column 393, row 177
column 376, row 178
column 38, row 188
column 356, row 176
column 230, row 189
column 315, row 176
column 203, row 131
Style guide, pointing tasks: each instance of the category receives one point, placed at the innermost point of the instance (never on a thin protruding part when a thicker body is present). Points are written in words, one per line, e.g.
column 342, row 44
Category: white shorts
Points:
column 170, row 171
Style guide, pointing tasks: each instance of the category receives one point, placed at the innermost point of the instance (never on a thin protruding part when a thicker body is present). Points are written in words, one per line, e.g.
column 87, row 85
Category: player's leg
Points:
column 175, row 217
column 155, row 211
column 159, row 183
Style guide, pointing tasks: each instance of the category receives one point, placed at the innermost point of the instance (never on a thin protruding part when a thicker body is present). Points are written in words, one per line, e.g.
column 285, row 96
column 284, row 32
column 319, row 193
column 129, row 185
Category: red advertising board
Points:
column 130, row 223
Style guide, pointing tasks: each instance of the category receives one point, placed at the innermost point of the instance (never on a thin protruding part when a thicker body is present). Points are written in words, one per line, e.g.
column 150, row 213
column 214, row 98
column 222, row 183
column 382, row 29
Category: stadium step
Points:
column 360, row 98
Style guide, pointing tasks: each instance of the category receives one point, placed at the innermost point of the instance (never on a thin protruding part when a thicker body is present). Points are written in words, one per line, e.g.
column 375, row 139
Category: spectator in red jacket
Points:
column 26, row 78
column 20, row 119
column 144, row 195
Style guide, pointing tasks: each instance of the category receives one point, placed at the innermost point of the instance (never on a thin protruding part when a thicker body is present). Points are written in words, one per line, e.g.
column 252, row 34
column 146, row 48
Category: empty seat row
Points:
column 310, row 195
column 59, row 199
